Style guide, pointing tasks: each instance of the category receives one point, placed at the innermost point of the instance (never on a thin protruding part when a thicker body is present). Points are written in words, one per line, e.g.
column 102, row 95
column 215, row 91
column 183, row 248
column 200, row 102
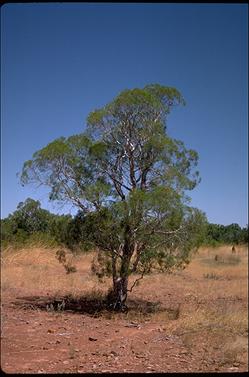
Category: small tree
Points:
column 128, row 178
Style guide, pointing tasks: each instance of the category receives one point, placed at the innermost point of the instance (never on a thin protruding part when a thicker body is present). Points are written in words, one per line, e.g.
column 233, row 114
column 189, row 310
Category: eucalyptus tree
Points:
column 129, row 179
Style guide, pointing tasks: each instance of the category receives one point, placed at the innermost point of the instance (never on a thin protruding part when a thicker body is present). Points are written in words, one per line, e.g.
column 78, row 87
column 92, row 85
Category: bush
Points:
column 66, row 261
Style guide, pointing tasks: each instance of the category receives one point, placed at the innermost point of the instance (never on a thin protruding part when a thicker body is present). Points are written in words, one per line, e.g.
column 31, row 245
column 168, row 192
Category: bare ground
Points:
column 190, row 321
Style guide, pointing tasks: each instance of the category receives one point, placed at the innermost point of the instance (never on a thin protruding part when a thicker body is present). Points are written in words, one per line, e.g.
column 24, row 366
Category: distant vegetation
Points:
column 225, row 234
column 30, row 224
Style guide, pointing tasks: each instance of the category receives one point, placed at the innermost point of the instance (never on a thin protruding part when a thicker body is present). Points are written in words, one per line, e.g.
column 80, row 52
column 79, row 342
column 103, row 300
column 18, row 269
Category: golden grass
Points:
column 217, row 308
column 39, row 270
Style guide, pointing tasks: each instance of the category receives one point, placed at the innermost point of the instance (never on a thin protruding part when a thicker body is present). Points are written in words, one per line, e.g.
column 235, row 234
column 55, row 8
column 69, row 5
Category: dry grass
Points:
column 211, row 311
column 193, row 304
column 38, row 271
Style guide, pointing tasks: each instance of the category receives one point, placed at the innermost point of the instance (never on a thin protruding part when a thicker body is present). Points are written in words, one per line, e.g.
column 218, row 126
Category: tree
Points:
column 28, row 217
column 128, row 178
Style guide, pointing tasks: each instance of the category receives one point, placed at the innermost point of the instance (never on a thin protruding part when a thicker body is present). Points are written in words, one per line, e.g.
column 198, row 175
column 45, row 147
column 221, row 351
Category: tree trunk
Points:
column 120, row 293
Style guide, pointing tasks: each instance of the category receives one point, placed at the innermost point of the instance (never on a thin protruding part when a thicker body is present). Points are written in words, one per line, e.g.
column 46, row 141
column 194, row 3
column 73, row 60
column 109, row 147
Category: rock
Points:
column 132, row 324
column 92, row 339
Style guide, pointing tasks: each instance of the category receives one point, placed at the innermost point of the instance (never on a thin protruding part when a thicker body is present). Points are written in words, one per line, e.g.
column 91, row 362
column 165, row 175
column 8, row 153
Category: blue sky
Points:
column 61, row 61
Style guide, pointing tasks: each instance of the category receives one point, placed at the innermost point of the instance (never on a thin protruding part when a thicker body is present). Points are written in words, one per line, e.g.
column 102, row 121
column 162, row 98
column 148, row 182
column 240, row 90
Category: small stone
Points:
column 92, row 339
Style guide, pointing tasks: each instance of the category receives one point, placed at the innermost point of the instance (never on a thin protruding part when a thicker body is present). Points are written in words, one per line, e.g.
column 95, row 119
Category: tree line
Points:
column 30, row 223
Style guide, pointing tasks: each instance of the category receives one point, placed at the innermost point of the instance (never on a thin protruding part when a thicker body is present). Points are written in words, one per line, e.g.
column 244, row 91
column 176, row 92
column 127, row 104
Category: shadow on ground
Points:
column 90, row 305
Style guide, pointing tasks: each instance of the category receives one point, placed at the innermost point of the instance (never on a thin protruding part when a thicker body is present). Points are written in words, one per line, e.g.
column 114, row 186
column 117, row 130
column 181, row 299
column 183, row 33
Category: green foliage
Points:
column 43, row 239
column 30, row 224
column 225, row 234
column 67, row 167
column 30, row 217
column 95, row 229
column 58, row 228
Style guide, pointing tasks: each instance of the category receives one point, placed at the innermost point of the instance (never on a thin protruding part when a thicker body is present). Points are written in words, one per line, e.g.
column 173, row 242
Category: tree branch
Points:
column 135, row 282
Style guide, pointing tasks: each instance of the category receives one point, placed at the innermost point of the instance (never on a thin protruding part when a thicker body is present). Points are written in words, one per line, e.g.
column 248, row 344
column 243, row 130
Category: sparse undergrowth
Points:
column 205, row 306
